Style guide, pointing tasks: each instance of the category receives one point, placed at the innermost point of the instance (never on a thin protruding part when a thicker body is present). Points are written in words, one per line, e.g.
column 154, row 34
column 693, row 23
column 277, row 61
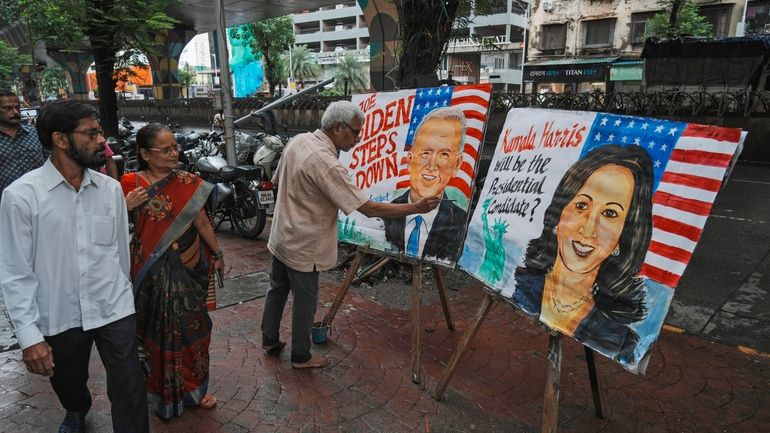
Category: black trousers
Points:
column 117, row 346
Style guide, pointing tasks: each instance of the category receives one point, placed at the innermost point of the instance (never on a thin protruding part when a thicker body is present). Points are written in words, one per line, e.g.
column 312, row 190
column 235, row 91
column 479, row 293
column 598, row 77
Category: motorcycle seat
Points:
column 245, row 172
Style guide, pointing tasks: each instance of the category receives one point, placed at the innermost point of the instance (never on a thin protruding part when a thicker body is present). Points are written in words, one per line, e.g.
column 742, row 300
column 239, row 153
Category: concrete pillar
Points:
column 165, row 65
column 381, row 18
column 75, row 64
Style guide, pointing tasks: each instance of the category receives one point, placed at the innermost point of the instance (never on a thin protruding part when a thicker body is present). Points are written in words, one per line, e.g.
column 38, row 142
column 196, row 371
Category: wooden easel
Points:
column 553, row 373
column 416, row 302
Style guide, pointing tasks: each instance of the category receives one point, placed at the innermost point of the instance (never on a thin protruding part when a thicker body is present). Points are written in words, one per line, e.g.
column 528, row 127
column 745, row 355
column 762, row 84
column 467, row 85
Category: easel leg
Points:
column 372, row 269
column 596, row 386
column 438, row 276
column 416, row 288
column 552, row 384
column 357, row 260
column 486, row 305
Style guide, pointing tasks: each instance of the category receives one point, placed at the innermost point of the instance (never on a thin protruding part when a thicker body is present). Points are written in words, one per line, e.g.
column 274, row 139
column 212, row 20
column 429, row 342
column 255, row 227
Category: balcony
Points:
column 331, row 57
column 509, row 76
column 474, row 44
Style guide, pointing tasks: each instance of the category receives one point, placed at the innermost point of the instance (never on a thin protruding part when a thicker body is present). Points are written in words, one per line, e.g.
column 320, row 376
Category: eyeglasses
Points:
column 91, row 133
column 167, row 150
column 355, row 131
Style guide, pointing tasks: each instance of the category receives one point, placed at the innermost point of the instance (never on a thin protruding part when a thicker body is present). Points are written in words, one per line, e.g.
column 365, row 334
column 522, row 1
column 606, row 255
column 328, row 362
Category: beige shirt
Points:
column 312, row 187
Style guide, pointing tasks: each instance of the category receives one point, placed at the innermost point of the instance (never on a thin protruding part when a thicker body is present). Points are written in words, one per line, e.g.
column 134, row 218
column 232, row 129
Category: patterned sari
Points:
column 170, row 268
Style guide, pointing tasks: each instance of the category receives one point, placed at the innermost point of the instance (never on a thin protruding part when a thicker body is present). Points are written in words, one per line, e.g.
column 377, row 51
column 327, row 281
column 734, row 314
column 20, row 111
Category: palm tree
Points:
column 351, row 75
column 303, row 64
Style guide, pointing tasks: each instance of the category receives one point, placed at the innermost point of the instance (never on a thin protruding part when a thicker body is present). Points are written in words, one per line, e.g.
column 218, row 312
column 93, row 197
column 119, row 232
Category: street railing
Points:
column 665, row 103
column 661, row 103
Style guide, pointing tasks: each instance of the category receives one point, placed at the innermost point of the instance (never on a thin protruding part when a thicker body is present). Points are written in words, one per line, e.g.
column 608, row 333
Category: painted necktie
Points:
column 413, row 245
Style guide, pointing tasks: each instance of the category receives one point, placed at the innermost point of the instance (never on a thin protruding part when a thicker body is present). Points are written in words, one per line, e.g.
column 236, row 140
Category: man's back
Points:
column 312, row 187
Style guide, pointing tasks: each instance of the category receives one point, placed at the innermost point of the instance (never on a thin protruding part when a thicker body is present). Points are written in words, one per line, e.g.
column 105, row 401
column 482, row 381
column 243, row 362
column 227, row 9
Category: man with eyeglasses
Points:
column 20, row 149
column 64, row 270
column 313, row 186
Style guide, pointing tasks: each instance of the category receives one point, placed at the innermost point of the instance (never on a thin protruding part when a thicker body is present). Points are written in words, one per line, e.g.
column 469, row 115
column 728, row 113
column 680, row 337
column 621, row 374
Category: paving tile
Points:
column 691, row 385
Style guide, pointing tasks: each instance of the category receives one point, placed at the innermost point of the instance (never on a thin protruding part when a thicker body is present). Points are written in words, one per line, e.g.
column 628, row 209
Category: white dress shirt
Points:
column 427, row 223
column 64, row 259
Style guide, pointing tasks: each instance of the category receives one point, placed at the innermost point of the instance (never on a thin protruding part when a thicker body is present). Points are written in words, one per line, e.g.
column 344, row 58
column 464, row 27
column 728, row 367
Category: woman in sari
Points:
column 173, row 254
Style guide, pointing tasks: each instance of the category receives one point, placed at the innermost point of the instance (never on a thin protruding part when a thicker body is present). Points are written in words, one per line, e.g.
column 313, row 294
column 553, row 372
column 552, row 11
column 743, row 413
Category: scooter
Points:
column 268, row 153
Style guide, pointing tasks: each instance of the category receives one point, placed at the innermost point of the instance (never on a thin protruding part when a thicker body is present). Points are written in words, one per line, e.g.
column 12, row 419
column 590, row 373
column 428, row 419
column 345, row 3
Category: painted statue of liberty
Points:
column 494, row 253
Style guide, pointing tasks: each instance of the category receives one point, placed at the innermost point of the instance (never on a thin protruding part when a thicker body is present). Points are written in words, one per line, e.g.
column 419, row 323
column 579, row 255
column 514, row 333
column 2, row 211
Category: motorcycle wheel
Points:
column 246, row 216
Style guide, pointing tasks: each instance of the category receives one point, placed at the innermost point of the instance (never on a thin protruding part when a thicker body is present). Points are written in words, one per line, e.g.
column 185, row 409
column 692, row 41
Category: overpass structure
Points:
column 194, row 16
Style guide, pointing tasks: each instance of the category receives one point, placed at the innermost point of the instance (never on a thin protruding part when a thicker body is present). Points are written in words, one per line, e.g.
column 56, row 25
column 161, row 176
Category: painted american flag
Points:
column 474, row 101
column 689, row 162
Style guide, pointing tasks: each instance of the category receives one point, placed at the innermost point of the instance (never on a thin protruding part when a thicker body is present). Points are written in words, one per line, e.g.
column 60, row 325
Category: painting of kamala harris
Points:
column 580, row 274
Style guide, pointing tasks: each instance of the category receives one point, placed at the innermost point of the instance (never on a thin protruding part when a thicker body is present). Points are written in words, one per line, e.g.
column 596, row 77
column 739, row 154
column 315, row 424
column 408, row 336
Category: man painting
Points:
column 434, row 158
column 312, row 187
column 20, row 149
column 64, row 270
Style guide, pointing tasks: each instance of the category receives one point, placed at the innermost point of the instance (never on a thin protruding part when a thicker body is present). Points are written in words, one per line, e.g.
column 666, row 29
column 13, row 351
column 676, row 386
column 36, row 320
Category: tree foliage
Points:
column 10, row 62
column 679, row 18
column 115, row 30
column 279, row 73
column 303, row 64
column 350, row 75
column 425, row 28
column 267, row 40
column 186, row 76
column 52, row 79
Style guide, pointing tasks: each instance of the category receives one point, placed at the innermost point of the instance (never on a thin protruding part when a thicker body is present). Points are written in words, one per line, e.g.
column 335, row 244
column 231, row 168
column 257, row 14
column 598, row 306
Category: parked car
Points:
column 28, row 115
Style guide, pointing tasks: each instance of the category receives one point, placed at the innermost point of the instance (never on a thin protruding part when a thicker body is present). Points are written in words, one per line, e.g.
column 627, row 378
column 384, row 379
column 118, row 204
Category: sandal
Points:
column 208, row 402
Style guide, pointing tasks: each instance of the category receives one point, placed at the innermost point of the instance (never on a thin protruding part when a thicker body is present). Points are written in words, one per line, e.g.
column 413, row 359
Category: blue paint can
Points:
column 320, row 332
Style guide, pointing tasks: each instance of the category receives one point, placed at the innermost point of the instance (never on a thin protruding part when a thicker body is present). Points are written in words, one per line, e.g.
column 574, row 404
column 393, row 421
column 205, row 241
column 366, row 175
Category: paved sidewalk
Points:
column 691, row 385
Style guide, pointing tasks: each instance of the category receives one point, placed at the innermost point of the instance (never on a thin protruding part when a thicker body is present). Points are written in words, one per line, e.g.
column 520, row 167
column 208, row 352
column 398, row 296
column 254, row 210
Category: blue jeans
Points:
column 283, row 280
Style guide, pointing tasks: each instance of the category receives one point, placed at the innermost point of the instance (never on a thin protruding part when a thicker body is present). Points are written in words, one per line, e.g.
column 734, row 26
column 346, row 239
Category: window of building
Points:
column 758, row 17
column 598, row 33
column 719, row 18
column 639, row 26
column 514, row 60
column 553, row 38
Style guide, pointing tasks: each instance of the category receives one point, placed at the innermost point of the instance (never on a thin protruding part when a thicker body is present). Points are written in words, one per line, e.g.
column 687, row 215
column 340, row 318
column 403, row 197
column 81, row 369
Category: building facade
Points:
column 589, row 45
column 332, row 31
column 490, row 48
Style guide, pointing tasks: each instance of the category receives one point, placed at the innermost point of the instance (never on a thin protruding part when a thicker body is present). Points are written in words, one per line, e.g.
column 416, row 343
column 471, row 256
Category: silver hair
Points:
column 447, row 113
column 340, row 112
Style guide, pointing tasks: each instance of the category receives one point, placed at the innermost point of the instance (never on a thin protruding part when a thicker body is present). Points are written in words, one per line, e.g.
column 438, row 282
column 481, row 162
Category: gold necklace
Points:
column 150, row 178
column 562, row 307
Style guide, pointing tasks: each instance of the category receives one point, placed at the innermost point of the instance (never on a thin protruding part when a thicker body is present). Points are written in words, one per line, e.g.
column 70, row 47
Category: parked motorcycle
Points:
column 242, row 197
column 125, row 145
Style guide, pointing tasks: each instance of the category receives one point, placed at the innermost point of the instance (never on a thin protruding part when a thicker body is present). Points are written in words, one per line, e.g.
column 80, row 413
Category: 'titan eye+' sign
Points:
column 565, row 73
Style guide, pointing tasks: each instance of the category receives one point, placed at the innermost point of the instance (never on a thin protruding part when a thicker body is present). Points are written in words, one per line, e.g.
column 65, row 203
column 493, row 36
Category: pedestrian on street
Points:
column 312, row 187
column 20, row 149
column 64, row 270
column 174, row 256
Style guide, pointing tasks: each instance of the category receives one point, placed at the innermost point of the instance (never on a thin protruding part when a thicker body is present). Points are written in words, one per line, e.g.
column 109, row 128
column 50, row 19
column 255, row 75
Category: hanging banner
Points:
column 588, row 220
column 417, row 143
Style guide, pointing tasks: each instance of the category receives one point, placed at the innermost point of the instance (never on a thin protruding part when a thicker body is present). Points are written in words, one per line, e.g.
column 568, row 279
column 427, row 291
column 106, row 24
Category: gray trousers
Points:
column 284, row 279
